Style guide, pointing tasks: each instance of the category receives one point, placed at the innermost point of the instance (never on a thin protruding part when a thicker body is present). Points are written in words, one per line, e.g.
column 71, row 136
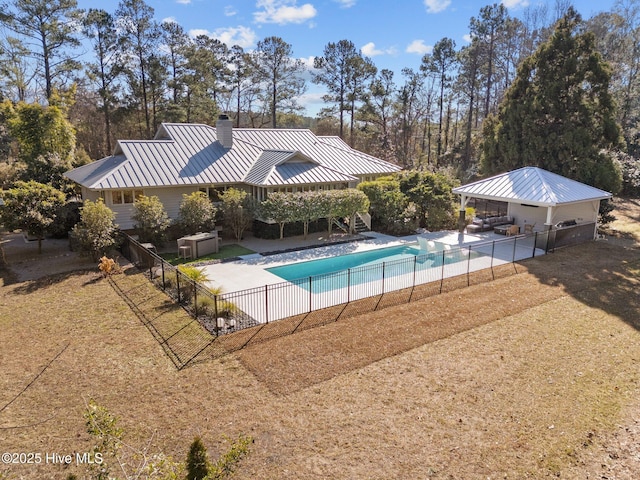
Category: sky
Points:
column 394, row 33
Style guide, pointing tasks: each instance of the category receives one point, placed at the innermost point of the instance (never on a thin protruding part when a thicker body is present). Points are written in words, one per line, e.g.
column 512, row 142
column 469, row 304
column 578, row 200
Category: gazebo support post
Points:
column 462, row 221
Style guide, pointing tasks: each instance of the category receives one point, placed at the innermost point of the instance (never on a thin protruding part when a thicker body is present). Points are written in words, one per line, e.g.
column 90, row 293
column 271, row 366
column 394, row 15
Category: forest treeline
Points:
column 140, row 72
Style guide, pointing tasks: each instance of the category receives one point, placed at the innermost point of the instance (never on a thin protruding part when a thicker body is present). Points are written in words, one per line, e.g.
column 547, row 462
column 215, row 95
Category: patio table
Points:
column 501, row 229
column 201, row 243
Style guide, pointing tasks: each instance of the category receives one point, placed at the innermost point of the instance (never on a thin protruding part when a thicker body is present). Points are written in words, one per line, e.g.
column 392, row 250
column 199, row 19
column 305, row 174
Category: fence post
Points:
column 413, row 283
column 535, row 243
column 442, row 271
column 468, row 266
column 383, row 265
column 195, row 298
column 178, row 283
column 266, row 303
column 513, row 255
column 164, row 287
column 215, row 309
column 493, row 251
column 348, row 285
column 310, row 294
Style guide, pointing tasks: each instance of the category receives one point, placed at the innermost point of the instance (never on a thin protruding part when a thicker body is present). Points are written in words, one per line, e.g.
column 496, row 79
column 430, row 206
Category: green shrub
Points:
column 199, row 467
column 197, row 461
column 197, row 213
column 67, row 217
column 194, row 273
column 151, row 219
column 96, row 232
column 205, row 305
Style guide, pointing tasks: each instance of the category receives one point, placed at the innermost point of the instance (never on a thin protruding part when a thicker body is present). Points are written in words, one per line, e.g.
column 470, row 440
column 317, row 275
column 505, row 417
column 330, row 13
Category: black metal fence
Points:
column 236, row 319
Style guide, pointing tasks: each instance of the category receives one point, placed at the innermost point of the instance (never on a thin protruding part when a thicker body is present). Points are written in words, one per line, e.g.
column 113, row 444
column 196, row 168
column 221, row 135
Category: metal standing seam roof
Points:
column 289, row 168
column 534, row 186
column 322, row 149
column 189, row 154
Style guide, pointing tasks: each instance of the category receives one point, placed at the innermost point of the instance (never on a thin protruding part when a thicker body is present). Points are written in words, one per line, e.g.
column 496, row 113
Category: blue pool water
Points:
column 337, row 272
column 323, row 266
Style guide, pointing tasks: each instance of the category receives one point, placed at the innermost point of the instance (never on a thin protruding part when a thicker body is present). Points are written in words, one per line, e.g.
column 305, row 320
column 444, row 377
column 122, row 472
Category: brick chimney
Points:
column 224, row 131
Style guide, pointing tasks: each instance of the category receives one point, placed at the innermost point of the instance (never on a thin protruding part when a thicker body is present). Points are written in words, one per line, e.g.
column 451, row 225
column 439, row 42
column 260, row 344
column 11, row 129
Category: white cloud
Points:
column 307, row 74
column 229, row 11
column 467, row 37
column 308, row 62
column 242, row 36
column 183, row 2
column 516, row 3
column 169, row 20
column 346, row 3
column 282, row 12
column 370, row 50
column 312, row 102
column 436, row 6
column 418, row 46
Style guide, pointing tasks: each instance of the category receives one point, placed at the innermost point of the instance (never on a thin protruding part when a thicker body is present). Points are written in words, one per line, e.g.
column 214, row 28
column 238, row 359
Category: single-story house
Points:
column 183, row 158
column 535, row 196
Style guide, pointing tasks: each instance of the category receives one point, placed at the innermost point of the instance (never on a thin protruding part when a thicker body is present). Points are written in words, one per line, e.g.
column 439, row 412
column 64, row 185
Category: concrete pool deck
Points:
column 250, row 270
column 264, row 297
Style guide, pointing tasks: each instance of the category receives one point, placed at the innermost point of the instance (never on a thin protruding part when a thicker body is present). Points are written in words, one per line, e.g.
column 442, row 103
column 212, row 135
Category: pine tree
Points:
column 558, row 114
column 197, row 461
column 279, row 74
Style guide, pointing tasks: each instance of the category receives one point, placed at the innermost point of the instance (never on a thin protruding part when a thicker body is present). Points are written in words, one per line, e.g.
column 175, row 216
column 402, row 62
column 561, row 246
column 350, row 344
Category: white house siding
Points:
column 528, row 214
column 87, row 194
column 123, row 215
column 580, row 212
column 171, row 197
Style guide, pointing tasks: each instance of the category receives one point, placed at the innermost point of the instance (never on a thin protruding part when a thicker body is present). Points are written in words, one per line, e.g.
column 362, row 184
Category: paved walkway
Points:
column 26, row 263
column 262, row 245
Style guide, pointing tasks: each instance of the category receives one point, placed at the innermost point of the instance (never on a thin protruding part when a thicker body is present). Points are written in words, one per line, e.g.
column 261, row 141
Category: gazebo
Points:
column 539, row 197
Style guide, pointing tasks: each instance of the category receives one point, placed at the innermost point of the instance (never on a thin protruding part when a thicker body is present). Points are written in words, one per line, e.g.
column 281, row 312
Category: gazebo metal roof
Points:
column 532, row 186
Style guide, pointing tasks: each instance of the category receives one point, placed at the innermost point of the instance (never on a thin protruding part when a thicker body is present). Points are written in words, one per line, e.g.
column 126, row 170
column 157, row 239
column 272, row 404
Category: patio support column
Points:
column 596, row 208
column 548, row 224
column 549, row 215
column 462, row 223
column 548, row 227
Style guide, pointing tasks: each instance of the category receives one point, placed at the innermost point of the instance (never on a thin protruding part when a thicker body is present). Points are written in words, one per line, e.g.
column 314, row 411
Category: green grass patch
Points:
column 226, row 251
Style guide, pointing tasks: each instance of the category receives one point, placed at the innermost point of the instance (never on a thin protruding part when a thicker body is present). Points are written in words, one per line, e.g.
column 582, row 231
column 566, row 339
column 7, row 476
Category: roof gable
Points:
column 532, row 185
column 289, row 168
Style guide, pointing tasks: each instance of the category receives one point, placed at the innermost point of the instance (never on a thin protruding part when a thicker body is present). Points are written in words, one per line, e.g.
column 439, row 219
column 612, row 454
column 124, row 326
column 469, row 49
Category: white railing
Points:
column 366, row 218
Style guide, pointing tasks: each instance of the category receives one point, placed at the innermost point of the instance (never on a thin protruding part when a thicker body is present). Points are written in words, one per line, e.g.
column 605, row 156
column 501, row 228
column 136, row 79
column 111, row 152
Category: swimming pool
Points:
column 338, row 272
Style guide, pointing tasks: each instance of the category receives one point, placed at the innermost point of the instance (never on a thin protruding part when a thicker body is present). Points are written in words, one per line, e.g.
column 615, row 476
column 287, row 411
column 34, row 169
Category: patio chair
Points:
column 513, row 230
column 184, row 250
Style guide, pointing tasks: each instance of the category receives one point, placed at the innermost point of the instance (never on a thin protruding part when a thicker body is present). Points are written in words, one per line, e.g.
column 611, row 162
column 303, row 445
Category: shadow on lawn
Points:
column 30, row 286
column 600, row 274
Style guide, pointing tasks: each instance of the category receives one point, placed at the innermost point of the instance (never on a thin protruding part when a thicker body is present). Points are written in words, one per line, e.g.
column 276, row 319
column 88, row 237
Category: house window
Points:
column 214, row 192
column 121, row 197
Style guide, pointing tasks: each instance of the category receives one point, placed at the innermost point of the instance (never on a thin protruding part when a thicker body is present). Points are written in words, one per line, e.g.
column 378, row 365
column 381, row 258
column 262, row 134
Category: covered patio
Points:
column 538, row 200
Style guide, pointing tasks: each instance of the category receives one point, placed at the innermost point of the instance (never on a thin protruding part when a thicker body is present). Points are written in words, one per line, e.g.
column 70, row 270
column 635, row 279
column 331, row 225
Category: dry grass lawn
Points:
column 533, row 375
